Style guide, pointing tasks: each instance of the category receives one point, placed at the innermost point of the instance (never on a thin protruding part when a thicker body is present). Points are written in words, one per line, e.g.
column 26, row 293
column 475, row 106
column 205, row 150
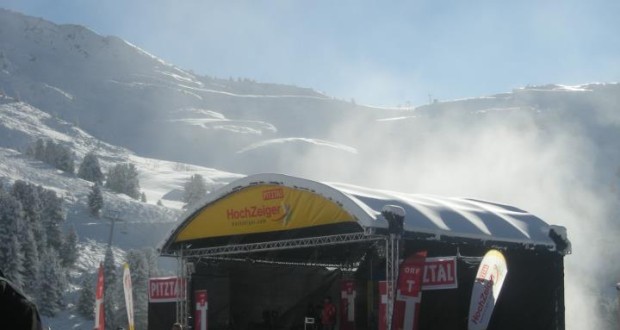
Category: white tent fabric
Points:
column 454, row 217
column 427, row 214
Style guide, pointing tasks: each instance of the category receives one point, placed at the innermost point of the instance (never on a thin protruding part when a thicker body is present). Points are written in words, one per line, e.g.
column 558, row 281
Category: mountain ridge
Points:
column 553, row 150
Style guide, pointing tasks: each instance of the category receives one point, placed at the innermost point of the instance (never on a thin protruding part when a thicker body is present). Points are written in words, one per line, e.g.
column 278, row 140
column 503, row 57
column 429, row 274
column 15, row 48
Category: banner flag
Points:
column 348, row 292
column 409, row 292
column 166, row 289
column 202, row 306
column 383, row 305
column 99, row 310
column 128, row 295
column 487, row 286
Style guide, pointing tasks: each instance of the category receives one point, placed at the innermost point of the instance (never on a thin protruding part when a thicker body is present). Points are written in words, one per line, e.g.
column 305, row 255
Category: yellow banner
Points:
column 260, row 209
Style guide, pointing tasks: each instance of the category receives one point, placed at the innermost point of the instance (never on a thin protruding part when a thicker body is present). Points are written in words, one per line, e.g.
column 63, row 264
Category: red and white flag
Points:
column 409, row 292
column 348, row 293
column 128, row 295
column 99, row 310
column 202, row 307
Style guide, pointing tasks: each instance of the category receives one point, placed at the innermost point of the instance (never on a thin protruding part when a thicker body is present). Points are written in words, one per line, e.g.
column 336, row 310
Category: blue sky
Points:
column 376, row 52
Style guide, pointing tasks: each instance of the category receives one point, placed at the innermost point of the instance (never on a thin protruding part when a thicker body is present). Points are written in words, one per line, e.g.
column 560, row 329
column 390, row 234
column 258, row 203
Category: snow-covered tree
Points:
column 11, row 256
column 138, row 265
column 31, row 269
column 143, row 197
column 53, row 216
column 86, row 301
column 69, row 248
column 123, row 178
column 38, row 150
column 49, row 154
column 12, row 260
column 52, row 286
column 54, row 154
column 28, row 195
column 64, row 159
column 194, row 189
column 151, row 260
column 95, row 200
column 121, row 319
column 110, row 277
column 90, row 169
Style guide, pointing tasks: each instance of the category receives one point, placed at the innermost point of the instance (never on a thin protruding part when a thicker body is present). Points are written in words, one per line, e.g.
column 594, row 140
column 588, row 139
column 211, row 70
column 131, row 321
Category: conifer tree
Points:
column 95, row 201
column 69, row 249
column 64, row 159
column 12, row 260
column 52, row 285
column 54, row 154
column 194, row 190
column 110, row 276
column 90, row 169
column 138, row 265
column 29, row 197
column 123, row 178
column 11, row 256
column 86, row 301
column 53, row 217
column 39, row 150
column 49, row 153
column 119, row 294
column 151, row 261
column 31, row 269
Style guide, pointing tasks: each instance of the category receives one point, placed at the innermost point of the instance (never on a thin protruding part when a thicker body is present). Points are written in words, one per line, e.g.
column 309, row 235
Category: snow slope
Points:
column 118, row 92
column 141, row 225
column 553, row 150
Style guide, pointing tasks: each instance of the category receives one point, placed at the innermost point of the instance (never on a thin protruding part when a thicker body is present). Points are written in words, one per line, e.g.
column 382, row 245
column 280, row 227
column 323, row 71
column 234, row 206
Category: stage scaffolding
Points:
column 187, row 257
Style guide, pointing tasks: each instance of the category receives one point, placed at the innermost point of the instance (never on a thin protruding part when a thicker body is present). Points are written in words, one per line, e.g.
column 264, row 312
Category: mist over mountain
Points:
column 553, row 150
column 123, row 95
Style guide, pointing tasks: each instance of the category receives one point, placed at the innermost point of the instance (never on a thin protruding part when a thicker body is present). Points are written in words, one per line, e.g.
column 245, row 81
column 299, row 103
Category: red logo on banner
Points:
column 410, row 275
column 166, row 289
column 432, row 273
column 276, row 193
column 439, row 273
column 202, row 306
column 408, row 294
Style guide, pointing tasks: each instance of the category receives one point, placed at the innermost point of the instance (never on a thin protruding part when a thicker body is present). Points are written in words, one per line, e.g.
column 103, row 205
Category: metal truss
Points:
column 392, row 248
column 242, row 252
column 350, row 266
column 297, row 243
column 182, row 301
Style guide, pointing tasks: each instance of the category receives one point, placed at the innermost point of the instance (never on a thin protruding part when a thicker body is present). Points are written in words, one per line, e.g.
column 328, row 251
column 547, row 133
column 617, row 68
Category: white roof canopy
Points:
column 424, row 214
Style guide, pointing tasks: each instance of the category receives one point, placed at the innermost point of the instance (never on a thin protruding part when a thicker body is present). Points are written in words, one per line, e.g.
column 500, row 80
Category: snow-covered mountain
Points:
column 125, row 96
column 553, row 150
column 141, row 224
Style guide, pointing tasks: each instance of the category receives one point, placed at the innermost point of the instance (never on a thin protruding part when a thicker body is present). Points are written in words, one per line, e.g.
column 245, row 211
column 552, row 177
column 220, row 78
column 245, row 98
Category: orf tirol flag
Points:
column 99, row 316
column 348, row 292
column 128, row 296
column 409, row 292
column 202, row 306
column 487, row 286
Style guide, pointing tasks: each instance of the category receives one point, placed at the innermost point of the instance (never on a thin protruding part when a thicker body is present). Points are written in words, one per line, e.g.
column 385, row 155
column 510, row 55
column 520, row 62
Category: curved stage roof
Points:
column 262, row 204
